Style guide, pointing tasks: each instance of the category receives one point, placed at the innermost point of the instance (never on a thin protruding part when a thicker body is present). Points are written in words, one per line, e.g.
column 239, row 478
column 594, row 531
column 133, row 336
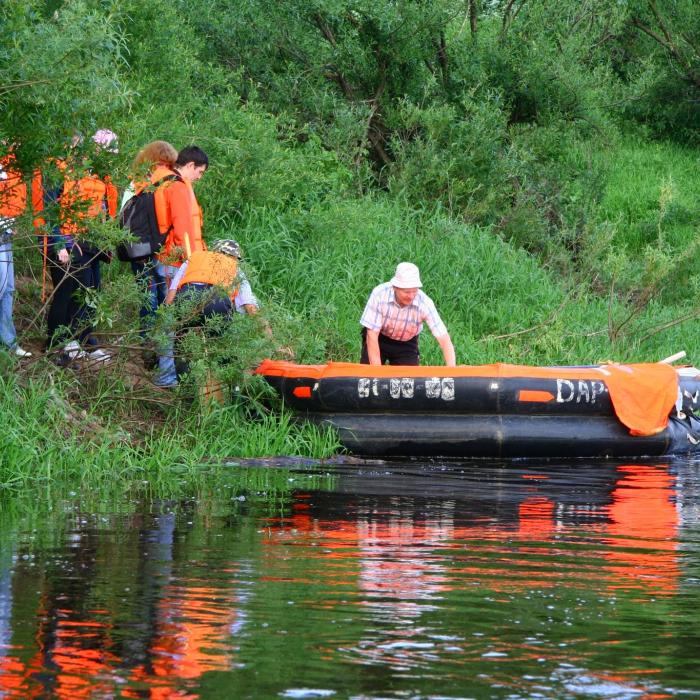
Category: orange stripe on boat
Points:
column 535, row 396
column 290, row 370
column 302, row 392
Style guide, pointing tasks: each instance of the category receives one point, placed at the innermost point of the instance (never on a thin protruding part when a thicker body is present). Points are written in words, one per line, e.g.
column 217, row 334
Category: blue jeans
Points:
column 152, row 282
column 167, row 373
column 167, row 272
column 216, row 305
column 8, row 335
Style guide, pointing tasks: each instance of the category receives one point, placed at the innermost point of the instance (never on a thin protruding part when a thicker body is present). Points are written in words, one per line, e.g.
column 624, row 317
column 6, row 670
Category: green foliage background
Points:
column 536, row 158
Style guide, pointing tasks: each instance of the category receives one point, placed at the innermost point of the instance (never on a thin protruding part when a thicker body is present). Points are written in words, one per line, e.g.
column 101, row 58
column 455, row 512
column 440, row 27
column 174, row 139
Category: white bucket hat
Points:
column 406, row 276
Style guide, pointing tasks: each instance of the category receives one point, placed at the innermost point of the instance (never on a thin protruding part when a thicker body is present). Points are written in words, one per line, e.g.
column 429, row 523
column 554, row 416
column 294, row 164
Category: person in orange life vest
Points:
column 206, row 270
column 393, row 318
column 13, row 202
column 218, row 267
column 159, row 158
column 47, row 186
column 179, row 213
column 180, row 217
column 211, row 279
column 86, row 194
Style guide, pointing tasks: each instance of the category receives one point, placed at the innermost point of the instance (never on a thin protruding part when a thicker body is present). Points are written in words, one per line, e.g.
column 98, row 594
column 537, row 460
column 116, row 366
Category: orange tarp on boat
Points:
column 642, row 395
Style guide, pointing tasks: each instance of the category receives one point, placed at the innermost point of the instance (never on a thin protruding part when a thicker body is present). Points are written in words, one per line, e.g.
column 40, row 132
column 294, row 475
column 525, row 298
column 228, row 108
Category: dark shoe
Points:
column 62, row 359
column 150, row 360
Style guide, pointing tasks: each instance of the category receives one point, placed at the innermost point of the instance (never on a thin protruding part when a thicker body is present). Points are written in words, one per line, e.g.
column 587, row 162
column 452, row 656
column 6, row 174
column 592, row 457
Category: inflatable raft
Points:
column 498, row 410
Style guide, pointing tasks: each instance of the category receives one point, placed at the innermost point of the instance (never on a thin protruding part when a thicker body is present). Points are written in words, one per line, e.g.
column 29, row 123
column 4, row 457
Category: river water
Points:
column 474, row 580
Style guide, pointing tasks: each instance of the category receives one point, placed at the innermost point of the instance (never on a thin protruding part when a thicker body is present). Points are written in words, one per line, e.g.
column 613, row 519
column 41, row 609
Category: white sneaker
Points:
column 74, row 351
column 21, row 352
column 99, row 355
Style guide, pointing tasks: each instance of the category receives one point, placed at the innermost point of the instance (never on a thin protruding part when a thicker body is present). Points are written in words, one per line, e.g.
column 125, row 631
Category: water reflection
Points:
column 518, row 533
column 491, row 580
column 643, row 528
column 112, row 608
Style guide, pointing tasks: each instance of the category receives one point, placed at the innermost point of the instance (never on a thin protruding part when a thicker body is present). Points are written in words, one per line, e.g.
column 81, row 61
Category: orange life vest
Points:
column 13, row 190
column 175, row 201
column 86, row 198
column 163, row 213
column 216, row 269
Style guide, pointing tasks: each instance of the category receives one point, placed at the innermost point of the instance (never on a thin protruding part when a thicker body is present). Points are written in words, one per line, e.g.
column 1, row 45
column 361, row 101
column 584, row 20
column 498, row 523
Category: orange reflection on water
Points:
column 643, row 523
column 191, row 637
column 402, row 557
column 72, row 660
column 75, row 654
column 409, row 557
column 536, row 518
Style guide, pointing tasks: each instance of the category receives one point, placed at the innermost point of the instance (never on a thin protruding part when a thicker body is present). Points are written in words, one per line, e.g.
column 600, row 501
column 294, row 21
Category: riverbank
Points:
column 55, row 432
column 553, row 209
column 312, row 271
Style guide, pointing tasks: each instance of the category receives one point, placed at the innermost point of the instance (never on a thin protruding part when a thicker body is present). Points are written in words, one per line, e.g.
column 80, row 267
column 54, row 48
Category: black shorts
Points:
column 394, row 352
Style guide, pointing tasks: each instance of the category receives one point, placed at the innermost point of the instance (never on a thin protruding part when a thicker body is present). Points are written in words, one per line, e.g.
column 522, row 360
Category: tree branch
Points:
column 669, row 324
column 4, row 89
column 473, row 15
column 666, row 42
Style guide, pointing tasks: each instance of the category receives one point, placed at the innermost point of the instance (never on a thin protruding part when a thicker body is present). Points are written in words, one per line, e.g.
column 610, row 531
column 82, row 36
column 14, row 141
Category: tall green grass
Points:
column 313, row 263
column 313, row 269
column 47, row 440
column 499, row 302
column 652, row 192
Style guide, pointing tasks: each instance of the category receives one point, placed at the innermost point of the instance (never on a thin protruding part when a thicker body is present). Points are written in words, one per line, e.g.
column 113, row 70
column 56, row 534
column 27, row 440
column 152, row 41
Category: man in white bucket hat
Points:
column 393, row 319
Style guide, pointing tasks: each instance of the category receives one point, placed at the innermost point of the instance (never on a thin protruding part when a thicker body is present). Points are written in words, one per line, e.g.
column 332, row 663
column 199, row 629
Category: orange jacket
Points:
column 86, row 198
column 42, row 197
column 38, row 198
column 178, row 212
column 13, row 190
column 217, row 269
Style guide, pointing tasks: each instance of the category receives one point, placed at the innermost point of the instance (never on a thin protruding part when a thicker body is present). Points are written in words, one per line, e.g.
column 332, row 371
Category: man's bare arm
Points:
column 448, row 350
column 373, row 354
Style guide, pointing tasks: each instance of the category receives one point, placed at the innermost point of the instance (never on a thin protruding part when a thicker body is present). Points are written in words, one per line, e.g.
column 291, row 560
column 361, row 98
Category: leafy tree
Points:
column 328, row 57
column 660, row 57
column 59, row 74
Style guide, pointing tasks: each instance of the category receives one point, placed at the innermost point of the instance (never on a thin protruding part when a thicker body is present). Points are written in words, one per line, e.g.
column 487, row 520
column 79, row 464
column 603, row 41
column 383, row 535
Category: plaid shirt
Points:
column 383, row 314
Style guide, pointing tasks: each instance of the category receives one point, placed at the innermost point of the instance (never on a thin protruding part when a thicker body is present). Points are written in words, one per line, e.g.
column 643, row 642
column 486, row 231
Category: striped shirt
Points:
column 382, row 313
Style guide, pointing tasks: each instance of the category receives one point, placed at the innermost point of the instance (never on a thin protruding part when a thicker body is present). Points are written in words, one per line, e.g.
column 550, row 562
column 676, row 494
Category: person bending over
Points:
column 393, row 319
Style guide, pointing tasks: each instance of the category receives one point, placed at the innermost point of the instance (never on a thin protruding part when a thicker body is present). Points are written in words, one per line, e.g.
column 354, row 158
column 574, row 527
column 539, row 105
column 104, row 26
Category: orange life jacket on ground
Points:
column 216, row 269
